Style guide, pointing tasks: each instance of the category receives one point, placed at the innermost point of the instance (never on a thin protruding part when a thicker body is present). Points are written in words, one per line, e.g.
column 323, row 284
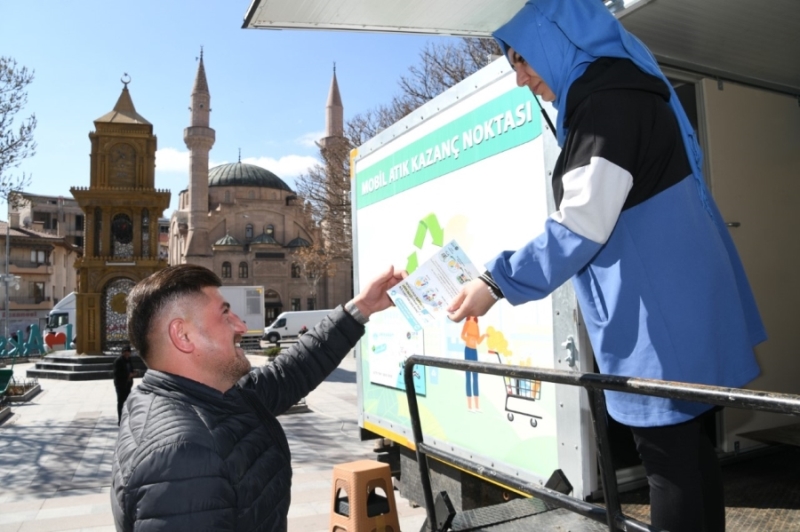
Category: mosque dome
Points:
column 227, row 240
column 299, row 242
column 244, row 175
column 264, row 238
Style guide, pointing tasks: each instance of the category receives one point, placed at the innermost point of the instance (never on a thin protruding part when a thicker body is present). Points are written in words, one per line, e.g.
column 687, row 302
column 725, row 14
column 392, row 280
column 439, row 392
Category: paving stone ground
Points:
column 56, row 453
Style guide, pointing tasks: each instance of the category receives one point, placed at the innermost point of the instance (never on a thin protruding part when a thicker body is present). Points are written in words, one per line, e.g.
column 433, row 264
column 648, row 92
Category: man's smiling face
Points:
column 219, row 333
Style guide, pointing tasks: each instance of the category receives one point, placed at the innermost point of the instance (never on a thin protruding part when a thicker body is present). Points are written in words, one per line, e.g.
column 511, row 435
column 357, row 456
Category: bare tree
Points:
column 326, row 191
column 315, row 263
column 441, row 66
column 326, row 187
column 15, row 144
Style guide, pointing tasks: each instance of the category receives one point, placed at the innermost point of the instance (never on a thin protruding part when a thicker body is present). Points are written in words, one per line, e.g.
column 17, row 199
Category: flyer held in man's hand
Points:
column 423, row 297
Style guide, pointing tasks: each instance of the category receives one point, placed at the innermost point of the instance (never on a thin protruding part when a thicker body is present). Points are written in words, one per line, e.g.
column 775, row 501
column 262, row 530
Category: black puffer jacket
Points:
column 190, row 458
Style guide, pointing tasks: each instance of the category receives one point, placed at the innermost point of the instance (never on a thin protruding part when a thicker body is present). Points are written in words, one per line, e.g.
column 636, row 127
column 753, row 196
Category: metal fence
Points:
column 594, row 384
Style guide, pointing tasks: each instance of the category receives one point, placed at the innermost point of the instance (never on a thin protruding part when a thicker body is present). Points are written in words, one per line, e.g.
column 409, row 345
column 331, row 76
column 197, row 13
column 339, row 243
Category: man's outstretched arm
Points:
column 319, row 351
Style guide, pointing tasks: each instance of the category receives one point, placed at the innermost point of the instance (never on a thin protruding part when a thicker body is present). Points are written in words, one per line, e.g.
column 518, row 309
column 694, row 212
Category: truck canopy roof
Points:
column 68, row 301
column 740, row 40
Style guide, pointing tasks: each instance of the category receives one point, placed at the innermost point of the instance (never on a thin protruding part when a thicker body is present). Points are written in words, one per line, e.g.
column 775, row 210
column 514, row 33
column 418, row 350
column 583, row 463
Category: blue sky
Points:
column 268, row 88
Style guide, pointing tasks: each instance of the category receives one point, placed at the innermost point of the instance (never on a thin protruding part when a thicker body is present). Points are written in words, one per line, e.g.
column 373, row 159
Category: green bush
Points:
column 272, row 352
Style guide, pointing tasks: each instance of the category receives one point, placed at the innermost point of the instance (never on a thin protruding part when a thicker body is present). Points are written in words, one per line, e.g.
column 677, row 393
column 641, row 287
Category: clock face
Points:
column 122, row 164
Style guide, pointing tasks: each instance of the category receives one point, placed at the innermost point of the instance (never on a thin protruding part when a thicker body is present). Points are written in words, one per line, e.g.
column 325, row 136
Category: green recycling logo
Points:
column 429, row 224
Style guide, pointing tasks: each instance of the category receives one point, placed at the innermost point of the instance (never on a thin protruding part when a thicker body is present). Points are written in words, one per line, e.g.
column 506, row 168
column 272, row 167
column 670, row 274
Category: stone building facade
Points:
column 53, row 215
column 247, row 225
column 43, row 265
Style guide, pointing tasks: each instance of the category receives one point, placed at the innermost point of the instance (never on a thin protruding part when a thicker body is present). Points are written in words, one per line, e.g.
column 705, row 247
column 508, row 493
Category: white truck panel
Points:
column 471, row 165
column 248, row 303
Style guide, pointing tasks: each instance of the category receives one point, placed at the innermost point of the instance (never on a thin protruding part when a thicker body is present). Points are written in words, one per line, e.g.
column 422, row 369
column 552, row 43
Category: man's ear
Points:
column 178, row 330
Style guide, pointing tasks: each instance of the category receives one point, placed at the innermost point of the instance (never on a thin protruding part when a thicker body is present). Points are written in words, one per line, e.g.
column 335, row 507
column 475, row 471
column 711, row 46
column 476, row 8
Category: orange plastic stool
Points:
column 356, row 506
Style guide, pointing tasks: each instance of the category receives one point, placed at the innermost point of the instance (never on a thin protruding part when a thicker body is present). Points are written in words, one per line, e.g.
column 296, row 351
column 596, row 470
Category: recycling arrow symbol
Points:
column 429, row 224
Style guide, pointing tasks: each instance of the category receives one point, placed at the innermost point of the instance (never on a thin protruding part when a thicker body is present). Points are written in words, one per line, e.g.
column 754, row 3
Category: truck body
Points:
column 496, row 199
column 289, row 324
column 61, row 320
column 474, row 165
column 247, row 302
column 469, row 166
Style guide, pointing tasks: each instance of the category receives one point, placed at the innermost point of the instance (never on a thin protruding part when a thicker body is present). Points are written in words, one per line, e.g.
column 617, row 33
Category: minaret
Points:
column 199, row 138
column 334, row 114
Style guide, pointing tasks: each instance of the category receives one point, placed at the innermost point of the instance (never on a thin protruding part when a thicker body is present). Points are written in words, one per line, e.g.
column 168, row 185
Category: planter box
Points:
column 27, row 396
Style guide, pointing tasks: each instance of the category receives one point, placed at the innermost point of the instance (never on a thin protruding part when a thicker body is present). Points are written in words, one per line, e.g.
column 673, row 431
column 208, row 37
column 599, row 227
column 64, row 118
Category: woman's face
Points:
column 527, row 77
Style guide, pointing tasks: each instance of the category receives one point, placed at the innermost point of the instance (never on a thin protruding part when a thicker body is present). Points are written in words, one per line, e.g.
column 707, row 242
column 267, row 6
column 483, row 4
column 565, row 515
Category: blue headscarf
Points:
column 561, row 38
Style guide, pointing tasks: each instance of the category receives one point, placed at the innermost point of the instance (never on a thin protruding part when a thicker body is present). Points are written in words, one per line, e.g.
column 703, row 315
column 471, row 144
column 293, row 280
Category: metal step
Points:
column 521, row 515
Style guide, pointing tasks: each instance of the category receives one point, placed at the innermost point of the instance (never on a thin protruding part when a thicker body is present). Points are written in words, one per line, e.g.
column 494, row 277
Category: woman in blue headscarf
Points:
column 659, row 282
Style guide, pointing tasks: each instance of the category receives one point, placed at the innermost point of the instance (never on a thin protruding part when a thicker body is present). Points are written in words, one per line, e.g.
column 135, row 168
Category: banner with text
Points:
column 501, row 124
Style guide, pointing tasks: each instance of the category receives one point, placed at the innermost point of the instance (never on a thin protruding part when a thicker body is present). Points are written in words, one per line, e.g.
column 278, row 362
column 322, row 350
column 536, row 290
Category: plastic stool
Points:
column 360, row 508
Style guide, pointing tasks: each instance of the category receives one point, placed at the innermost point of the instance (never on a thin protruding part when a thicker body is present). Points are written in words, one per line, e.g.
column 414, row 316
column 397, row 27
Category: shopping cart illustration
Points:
column 521, row 395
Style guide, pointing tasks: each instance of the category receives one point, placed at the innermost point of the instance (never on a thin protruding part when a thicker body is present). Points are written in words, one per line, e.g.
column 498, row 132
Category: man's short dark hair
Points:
column 126, row 348
column 151, row 295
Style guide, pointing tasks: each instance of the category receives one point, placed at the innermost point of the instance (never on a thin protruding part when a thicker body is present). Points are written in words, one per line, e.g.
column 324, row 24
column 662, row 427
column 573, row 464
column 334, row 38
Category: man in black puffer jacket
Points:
column 199, row 446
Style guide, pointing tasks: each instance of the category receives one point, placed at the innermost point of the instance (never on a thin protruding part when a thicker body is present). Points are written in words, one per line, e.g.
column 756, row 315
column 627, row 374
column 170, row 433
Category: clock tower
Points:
column 121, row 208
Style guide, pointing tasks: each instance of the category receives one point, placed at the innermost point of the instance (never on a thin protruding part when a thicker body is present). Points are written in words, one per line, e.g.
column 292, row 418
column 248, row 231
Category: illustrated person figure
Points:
column 200, row 446
column 123, row 378
column 471, row 335
column 660, row 285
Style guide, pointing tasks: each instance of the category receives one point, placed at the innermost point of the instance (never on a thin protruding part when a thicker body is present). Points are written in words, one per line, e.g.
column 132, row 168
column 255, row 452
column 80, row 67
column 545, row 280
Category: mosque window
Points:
column 311, row 303
column 295, row 270
column 226, row 270
column 248, row 231
column 243, row 270
column 295, row 304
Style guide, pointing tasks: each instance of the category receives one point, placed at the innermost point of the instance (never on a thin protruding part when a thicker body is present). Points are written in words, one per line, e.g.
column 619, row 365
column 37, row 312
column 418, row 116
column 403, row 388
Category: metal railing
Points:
column 28, row 300
column 28, row 264
column 594, row 384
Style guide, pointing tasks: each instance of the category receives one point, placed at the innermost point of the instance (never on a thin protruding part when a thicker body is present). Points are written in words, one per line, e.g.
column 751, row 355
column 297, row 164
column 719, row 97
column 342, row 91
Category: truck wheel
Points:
column 273, row 337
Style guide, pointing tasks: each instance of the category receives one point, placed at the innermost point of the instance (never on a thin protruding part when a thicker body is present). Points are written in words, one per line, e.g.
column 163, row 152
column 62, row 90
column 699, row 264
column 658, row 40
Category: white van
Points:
column 290, row 323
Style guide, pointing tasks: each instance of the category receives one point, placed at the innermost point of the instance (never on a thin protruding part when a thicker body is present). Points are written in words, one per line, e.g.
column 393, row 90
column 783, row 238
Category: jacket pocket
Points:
column 590, row 296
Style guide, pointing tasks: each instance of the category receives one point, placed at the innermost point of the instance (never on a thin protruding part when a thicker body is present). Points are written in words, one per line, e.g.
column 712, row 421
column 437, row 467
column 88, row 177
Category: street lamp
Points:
column 10, row 281
column 14, row 200
column 6, row 278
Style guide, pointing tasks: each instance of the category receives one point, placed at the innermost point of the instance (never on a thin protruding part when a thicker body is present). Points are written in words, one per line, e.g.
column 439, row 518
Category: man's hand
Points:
column 373, row 297
column 474, row 299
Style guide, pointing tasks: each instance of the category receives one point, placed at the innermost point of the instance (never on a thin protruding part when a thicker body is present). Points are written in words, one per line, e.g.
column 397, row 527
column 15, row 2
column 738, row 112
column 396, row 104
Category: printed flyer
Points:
column 423, row 297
